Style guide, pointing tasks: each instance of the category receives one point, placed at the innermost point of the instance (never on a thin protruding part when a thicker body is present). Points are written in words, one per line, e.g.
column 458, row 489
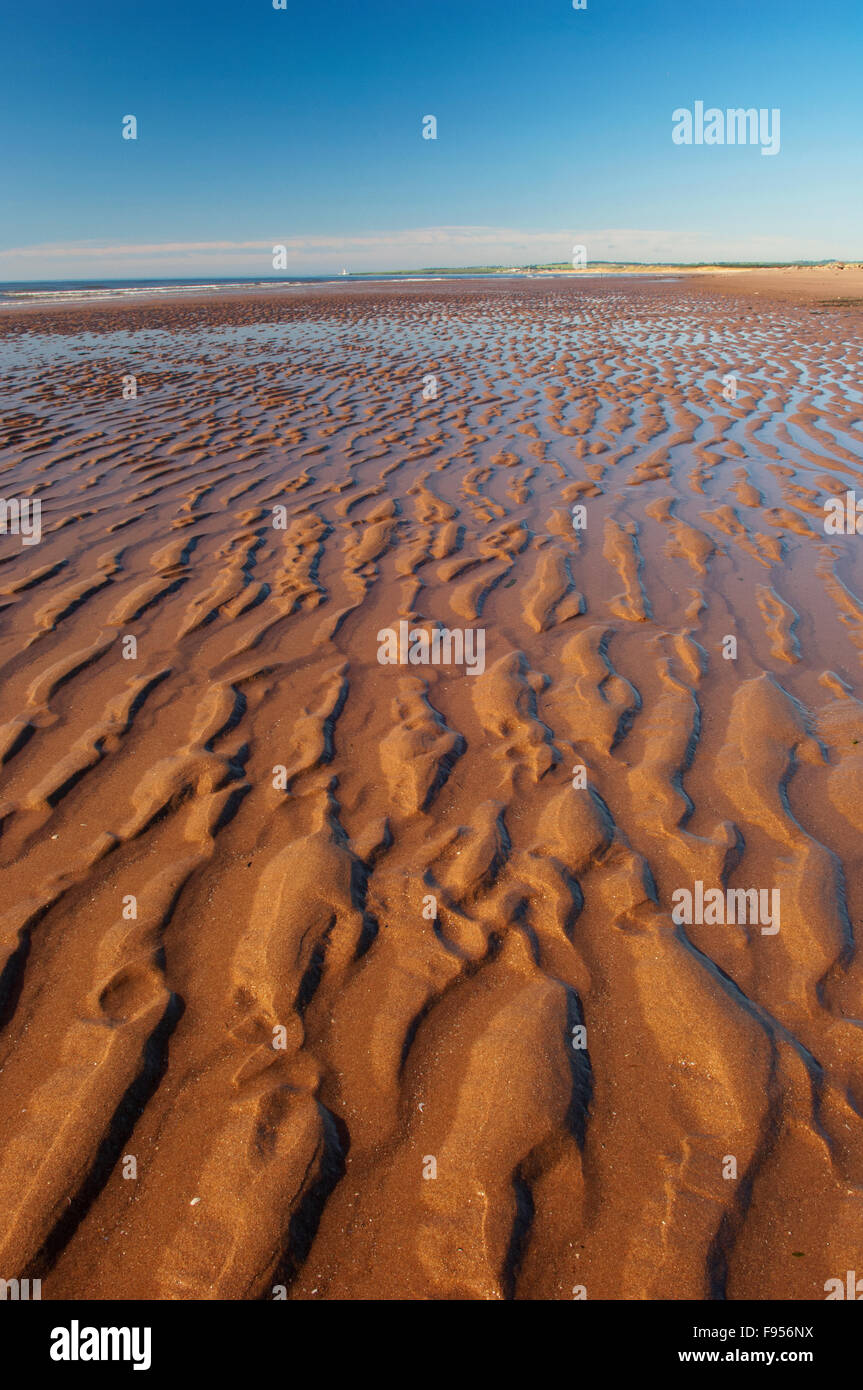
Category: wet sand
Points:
column 250, row 831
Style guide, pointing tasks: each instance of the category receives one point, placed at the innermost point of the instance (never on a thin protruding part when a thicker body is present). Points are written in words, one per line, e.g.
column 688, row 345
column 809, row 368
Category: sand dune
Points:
column 393, row 872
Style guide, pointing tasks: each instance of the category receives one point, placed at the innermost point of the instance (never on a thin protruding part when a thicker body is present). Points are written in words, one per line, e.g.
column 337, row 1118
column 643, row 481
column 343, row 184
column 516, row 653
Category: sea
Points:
column 21, row 292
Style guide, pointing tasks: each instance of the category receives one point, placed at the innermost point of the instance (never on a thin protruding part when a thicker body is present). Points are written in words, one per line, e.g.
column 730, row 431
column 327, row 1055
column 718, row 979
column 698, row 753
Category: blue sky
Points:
column 303, row 126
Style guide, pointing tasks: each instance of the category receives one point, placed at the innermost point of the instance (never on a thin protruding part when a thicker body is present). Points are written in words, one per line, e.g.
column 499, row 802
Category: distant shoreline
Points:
column 618, row 268
column 832, row 284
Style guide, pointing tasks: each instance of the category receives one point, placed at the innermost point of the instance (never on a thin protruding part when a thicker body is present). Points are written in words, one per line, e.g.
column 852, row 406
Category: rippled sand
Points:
column 423, row 907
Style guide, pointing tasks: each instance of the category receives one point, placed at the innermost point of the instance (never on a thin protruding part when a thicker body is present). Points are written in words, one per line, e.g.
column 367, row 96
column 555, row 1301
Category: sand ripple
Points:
column 388, row 870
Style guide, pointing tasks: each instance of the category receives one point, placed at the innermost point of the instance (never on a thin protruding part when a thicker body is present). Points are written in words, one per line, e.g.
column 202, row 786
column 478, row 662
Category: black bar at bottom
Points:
column 257, row 1339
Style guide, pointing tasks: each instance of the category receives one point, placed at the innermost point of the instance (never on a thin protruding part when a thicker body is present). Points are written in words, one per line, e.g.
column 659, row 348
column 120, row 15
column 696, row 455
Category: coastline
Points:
column 836, row 285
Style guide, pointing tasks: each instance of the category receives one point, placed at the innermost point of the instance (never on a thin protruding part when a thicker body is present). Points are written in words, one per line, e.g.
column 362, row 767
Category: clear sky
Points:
column 303, row 127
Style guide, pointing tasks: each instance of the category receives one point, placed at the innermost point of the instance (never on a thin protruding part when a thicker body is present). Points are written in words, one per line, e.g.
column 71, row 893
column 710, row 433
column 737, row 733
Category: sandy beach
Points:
column 352, row 978
column 835, row 285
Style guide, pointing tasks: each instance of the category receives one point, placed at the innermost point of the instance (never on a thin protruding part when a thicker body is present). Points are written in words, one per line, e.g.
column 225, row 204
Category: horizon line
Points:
column 562, row 267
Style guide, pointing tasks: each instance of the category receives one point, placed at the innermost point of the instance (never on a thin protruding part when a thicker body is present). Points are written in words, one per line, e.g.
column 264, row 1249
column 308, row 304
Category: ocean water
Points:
column 14, row 293
column 82, row 291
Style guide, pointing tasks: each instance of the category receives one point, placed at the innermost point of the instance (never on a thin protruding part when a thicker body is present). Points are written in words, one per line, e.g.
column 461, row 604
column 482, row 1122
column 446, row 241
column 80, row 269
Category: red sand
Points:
column 300, row 900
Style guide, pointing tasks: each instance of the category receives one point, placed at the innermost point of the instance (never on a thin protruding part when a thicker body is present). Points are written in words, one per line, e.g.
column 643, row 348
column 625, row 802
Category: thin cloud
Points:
column 407, row 248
